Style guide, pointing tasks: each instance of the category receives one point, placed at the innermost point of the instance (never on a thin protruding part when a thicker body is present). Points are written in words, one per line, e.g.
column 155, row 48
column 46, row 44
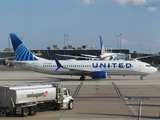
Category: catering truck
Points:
column 26, row 100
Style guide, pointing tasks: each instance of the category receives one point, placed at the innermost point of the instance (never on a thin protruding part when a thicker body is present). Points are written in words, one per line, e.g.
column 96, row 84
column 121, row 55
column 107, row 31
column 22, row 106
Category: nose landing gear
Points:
column 141, row 78
column 82, row 77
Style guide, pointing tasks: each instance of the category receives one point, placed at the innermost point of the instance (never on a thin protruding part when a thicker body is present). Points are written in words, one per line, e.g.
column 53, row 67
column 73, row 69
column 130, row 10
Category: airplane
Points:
column 103, row 56
column 96, row 69
column 6, row 61
column 106, row 55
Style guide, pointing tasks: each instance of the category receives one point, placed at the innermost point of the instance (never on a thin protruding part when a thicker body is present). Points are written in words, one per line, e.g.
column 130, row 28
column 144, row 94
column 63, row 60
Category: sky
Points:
column 41, row 23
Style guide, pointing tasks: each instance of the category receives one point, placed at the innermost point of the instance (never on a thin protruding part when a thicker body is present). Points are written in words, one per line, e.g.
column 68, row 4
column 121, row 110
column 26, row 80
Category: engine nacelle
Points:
column 98, row 74
column 5, row 62
column 11, row 64
column 108, row 57
column 104, row 56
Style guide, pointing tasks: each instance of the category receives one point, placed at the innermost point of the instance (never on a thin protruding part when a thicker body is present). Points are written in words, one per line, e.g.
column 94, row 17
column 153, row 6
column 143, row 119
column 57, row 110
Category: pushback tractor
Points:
column 26, row 100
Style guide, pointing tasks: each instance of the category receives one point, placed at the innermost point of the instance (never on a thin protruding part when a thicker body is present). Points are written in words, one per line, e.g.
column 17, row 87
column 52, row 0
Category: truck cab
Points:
column 67, row 99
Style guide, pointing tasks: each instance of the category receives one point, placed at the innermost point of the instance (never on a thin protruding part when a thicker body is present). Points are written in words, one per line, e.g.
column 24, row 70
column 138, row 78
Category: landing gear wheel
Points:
column 32, row 111
column 141, row 78
column 70, row 105
column 25, row 111
column 7, row 114
column 82, row 77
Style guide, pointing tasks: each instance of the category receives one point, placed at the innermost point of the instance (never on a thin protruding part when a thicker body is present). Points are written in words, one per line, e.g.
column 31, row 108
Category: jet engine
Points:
column 108, row 56
column 104, row 56
column 5, row 62
column 98, row 74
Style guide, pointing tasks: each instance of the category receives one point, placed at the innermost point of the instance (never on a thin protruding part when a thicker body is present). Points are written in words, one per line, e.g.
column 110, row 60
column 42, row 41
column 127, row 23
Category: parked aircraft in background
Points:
column 94, row 69
column 106, row 55
column 103, row 56
column 7, row 61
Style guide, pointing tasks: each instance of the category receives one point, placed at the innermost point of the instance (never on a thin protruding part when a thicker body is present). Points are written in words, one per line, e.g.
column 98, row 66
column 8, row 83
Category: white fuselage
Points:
column 84, row 67
column 107, row 56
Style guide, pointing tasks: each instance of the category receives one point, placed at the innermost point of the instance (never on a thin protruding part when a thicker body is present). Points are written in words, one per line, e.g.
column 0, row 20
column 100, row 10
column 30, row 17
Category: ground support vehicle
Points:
column 25, row 100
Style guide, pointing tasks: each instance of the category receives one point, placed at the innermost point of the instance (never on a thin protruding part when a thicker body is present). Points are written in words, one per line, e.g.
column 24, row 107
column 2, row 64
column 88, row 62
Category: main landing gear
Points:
column 141, row 78
column 82, row 77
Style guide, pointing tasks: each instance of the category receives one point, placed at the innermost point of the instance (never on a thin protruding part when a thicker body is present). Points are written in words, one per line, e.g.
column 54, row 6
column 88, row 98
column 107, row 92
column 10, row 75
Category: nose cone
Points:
column 154, row 69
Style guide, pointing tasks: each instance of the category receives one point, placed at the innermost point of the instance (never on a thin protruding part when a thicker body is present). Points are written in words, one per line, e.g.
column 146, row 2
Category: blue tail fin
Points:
column 101, row 45
column 22, row 53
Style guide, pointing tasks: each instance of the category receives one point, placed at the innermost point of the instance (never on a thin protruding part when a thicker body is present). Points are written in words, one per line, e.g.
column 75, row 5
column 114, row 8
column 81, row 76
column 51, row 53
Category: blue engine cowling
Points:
column 98, row 74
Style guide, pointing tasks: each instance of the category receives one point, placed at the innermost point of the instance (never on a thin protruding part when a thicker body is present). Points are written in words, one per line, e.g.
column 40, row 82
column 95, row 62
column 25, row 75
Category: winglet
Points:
column 58, row 63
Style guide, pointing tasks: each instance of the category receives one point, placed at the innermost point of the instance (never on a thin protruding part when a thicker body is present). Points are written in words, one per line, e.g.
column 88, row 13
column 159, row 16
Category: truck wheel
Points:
column 7, row 114
column 25, row 112
column 70, row 105
column 57, row 107
column 32, row 111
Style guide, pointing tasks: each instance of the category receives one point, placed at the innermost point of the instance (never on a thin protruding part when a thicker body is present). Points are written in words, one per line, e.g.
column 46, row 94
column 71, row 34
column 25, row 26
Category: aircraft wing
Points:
column 74, row 56
column 109, row 55
column 73, row 69
column 90, row 56
column 82, row 70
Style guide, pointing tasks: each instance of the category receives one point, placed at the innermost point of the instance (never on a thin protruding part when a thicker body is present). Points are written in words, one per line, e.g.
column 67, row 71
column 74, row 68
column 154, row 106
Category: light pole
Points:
column 8, row 44
column 67, row 39
column 120, row 39
column 141, row 49
column 64, row 42
column 117, row 40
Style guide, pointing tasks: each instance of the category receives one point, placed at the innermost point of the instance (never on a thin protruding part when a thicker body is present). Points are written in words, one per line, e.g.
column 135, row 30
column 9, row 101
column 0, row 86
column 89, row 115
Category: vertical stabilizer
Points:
column 101, row 46
column 22, row 53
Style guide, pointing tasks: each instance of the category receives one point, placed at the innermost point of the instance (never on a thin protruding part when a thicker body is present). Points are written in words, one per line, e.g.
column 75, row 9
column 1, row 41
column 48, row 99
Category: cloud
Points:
column 121, row 2
column 134, row 2
column 88, row 2
column 152, row 9
column 149, row 5
column 139, row 2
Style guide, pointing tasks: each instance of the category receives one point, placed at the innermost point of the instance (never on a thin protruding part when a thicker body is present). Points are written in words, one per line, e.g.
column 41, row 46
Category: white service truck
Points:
column 25, row 100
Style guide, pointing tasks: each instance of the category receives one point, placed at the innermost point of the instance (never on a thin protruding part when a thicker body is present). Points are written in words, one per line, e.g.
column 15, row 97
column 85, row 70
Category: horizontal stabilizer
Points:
column 58, row 63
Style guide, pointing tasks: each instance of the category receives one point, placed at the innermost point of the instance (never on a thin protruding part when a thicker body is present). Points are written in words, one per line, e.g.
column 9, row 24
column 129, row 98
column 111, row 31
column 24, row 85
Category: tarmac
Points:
column 115, row 98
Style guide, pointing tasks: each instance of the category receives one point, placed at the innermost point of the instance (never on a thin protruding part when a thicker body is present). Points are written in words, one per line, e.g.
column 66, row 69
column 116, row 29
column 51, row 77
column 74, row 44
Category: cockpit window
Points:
column 65, row 92
column 148, row 65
